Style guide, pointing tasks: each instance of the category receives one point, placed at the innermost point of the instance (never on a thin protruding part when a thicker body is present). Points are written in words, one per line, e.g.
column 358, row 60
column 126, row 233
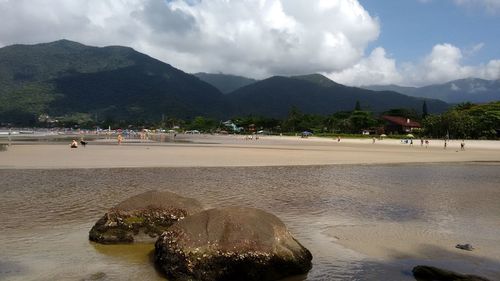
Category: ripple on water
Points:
column 46, row 214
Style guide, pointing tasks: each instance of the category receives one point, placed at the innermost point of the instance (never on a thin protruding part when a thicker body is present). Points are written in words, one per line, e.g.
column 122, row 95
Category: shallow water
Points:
column 46, row 214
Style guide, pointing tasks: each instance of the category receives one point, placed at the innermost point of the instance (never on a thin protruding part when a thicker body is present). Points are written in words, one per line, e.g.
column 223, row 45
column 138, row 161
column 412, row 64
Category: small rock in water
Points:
column 98, row 276
column 430, row 273
column 467, row 247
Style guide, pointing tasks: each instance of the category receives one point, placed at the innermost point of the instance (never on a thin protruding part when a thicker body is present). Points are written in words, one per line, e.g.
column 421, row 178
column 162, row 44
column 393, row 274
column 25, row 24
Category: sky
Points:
column 354, row 42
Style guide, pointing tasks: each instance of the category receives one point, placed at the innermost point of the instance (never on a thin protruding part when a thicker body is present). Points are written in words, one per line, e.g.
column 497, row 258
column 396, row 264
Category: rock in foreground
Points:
column 430, row 273
column 142, row 217
column 230, row 244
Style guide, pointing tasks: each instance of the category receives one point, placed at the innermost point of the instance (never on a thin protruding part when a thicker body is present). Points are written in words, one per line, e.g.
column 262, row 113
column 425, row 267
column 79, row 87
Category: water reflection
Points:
column 46, row 214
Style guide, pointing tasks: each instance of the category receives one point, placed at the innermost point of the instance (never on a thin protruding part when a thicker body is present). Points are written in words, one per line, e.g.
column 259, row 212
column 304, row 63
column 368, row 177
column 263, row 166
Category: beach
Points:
column 365, row 211
column 229, row 151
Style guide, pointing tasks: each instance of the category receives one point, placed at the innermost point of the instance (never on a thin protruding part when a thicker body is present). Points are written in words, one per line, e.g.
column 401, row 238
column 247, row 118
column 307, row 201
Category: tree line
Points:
column 463, row 121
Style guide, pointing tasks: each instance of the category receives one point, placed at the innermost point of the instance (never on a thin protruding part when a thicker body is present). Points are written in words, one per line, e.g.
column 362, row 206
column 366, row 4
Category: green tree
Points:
column 357, row 107
column 361, row 120
column 201, row 123
column 292, row 121
column 424, row 110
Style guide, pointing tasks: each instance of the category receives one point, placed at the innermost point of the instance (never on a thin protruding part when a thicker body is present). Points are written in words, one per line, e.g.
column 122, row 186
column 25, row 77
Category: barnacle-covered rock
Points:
column 230, row 244
column 142, row 217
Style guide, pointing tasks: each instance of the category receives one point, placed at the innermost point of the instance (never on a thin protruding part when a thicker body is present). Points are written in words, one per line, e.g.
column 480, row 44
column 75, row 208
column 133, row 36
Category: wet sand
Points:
column 362, row 222
column 230, row 151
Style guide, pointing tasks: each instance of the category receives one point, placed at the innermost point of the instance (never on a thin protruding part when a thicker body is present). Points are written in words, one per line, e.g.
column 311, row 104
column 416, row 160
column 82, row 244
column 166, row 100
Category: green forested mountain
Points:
column 273, row 97
column 70, row 80
column 224, row 82
column 65, row 77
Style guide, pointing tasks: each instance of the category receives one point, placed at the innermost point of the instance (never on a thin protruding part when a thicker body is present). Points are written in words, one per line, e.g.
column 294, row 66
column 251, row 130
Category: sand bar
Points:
column 225, row 151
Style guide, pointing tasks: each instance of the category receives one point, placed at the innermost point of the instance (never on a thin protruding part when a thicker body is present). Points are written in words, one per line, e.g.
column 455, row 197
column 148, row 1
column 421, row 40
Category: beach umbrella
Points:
column 410, row 136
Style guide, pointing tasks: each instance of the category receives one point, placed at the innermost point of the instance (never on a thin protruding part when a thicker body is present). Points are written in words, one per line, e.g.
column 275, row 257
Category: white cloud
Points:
column 468, row 52
column 444, row 63
column 492, row 6
column 254, row 38
column 376, row 69
column 441, row 65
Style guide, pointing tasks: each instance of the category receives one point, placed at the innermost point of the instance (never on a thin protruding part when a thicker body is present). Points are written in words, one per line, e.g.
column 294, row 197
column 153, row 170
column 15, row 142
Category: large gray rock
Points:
column 230, row 244
column 430, row 273
column 142, row 217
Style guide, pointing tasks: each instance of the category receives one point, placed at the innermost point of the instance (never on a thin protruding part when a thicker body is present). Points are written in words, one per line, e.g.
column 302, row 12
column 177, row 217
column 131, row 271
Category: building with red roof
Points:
column 399, row 125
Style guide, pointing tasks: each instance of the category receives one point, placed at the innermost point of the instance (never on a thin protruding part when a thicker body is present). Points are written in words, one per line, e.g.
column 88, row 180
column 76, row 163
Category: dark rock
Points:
column 467, row 247
column 429, row 273
column 142, row 217
column 98, row 276
column 230, row 244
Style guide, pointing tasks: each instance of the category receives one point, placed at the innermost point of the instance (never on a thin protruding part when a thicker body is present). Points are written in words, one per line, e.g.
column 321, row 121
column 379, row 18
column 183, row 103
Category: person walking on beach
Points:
column 462, row 145
column 421, row 142
column 373, row 140
column 338, row 139
column 411, row 142
column 445, row 144
column 120, row 139
column 426, row 143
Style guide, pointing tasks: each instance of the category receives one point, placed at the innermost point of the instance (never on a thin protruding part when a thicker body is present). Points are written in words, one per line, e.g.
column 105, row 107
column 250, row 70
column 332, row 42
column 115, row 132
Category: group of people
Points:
column 462, row 144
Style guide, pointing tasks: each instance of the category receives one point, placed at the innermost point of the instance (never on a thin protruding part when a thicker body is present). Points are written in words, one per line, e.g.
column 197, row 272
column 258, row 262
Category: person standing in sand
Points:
column 462, row 145
column 120, row 139
column 445, row 144
column 338, row 139
column 373, row 140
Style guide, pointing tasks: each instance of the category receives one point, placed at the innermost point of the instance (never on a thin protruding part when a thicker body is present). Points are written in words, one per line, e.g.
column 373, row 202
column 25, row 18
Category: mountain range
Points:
column 226, row 83
column 315, row 93
column 458, row 91
column 64, row 77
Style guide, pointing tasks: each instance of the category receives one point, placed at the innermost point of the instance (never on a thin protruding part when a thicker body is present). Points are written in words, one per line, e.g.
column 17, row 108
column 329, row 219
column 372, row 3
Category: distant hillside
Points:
column 65, row 77
column 317, row 94
column 224, row 82
column 458, row 91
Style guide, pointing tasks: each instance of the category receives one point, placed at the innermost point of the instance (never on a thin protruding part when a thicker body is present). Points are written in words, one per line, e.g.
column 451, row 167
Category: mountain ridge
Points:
column 64, row 78
column 274, row 96
column 455, row 91
column 226, row 83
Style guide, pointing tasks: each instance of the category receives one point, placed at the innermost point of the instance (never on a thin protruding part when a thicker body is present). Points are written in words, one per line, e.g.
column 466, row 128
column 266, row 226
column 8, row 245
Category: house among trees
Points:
column 399, row 125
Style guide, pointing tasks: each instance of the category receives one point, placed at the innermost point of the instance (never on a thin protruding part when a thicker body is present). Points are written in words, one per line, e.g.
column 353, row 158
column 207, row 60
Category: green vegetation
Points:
column 68, row 84
column 465, row 121
column 224, row 82
column 66, row 80
column 316, row 94
column 134, row 220
column 78, row 85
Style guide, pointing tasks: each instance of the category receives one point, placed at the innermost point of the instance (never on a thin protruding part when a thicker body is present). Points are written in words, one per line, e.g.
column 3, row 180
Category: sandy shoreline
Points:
column 396, row 215
column 228, row 151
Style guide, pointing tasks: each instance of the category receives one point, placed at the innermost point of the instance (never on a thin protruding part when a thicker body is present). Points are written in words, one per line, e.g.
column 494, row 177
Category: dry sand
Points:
column 223, row 151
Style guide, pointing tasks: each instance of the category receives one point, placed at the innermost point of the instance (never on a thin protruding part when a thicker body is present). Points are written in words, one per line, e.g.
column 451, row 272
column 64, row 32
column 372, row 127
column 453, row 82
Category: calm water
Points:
column 46, row 214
